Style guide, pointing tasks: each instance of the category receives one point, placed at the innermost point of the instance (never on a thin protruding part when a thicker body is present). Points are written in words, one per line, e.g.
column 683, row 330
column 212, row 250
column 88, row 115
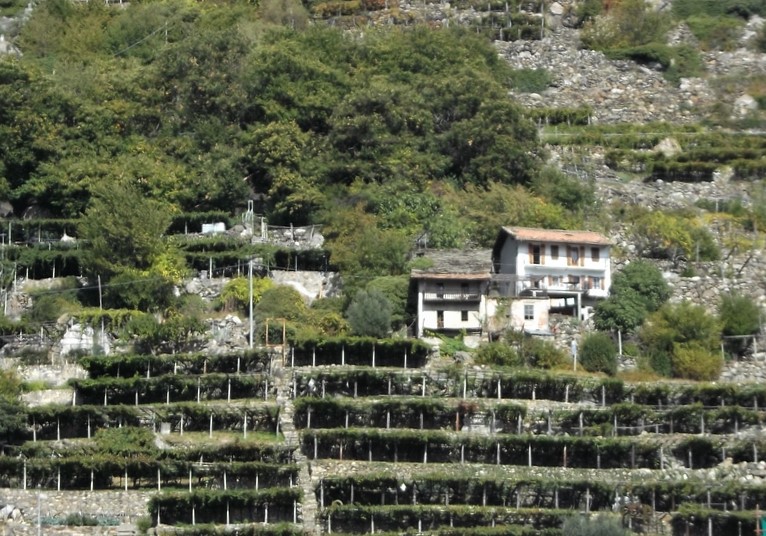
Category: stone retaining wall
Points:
column 122, row 506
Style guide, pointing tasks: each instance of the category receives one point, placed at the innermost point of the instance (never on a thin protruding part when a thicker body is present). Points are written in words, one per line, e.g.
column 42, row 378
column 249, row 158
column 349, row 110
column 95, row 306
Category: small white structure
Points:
column 213, row 228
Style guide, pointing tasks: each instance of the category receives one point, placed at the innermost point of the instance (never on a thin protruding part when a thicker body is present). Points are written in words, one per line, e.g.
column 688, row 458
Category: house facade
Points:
column 571, row 269
column 452, row 291
column 528, row 275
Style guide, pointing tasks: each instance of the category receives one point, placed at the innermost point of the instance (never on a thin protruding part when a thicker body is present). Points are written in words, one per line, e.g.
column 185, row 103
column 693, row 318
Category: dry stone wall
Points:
column 124, row 508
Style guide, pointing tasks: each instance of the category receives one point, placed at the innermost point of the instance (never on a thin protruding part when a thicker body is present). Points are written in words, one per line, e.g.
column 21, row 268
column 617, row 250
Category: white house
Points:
column 571, row 269
column 529, row 274
column 452, row 291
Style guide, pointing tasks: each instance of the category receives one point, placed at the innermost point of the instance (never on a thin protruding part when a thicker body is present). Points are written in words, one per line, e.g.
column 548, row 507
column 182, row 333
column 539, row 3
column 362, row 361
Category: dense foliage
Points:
column 599, row 353
column 294, row 111
column 682, row 340
column 637, row 290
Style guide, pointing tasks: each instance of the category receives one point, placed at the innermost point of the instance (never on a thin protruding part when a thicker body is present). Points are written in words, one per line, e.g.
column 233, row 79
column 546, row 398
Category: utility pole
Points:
column 250, row 284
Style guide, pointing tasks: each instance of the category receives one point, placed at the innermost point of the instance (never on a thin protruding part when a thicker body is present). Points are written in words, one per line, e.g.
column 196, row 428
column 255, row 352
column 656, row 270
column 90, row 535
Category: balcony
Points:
column 452, row 296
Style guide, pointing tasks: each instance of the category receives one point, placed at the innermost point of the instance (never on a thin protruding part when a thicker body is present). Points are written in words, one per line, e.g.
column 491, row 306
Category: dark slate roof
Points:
column 456, row 264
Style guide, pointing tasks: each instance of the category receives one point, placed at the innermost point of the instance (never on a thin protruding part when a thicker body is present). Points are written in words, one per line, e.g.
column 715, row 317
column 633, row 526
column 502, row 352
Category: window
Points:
column 439, row 319
column 464, row 289
column 597, row 283
column 594, row 254
column 555, row 253
column 574, row 256
column 440, row 290
column 536, row 254
column 464, row 316
column 529, row 312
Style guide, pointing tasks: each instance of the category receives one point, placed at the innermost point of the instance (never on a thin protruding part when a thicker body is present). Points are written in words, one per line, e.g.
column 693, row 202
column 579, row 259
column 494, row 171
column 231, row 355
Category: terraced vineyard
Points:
column 480, row 451
column 359, row 436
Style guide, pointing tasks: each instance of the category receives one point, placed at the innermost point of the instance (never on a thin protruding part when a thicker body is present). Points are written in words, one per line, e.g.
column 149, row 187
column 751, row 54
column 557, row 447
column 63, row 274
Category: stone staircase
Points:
column 309, row 507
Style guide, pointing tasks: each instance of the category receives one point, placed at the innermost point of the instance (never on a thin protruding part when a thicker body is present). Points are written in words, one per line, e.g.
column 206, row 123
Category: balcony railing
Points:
column 452, row 296
column 515, row 285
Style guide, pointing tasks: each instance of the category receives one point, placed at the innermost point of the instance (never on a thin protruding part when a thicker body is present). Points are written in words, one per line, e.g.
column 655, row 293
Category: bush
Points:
column 601, row 525
column 369, row 314
column 530, row 80
column 715, row 33
column 142, row 291
column 692, row 362
column 543, row 354
column 599, row 354
column 498, row 353
column 676, row 335
column 235, row 295
column 739, row 315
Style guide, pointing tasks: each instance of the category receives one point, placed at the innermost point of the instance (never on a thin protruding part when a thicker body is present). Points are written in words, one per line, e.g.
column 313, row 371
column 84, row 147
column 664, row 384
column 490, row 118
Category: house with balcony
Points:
column 570, row 270
column 528, row 275
column 452, row 289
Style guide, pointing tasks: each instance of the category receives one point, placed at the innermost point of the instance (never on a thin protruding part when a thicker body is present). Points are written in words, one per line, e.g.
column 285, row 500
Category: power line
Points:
column 155, row 32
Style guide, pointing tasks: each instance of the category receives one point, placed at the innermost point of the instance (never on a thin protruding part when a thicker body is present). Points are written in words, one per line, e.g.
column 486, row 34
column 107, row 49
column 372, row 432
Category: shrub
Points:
column 678, row 333
column 599, row 354
column 530, row 80
column 498, row 353
column 696, row 363
column 601, row 525
column 143, row 291
column 715, row 33
column 539, row 353
column 739, row 315
column 235, row 295
column 369, row 314
column 685, row 62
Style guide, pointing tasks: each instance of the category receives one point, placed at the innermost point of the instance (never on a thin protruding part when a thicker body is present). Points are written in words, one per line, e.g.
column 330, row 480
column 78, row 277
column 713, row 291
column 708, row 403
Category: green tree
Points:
column 276, row 165
column 281, row 301
column 624, row 312
column 12, row 417
column 369, row 314
column 123, row 229
column 646, row 280
column 682, row 340
column 235, row 295
column 598, row 353
column 396, row 291
column 361, row 249
column 637, row 290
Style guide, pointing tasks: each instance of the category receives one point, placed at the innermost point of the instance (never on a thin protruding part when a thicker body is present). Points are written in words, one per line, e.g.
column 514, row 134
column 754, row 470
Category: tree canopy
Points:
column 202, row 106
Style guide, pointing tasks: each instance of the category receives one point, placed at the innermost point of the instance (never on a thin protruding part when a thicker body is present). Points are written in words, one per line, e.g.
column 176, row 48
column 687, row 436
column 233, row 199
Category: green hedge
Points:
column 181, row 388
column 444, row 447
column 211, row 506
column 126, row 366
column 399, row 413
column 359, row 351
